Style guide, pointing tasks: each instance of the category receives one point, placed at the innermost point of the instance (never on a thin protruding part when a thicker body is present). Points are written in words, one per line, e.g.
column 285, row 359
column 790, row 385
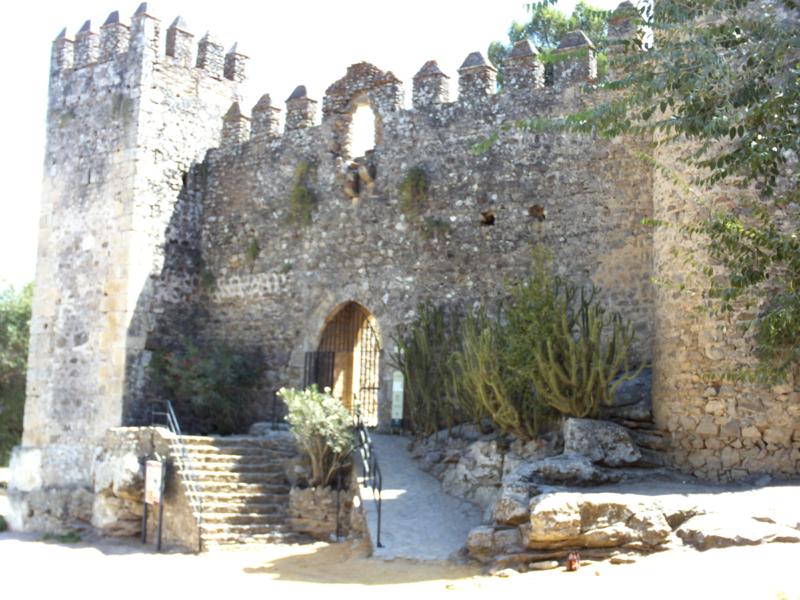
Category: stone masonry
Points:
column 166, row 212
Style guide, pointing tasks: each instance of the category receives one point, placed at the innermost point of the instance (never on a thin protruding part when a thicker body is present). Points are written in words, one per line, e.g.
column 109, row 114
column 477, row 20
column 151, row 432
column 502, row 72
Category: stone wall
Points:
column 721, row 430
column 146, row 234
column 124, row 125
column 584, row 199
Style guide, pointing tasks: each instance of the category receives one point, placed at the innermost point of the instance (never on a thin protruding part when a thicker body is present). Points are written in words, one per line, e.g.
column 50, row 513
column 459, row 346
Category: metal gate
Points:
column 348, row 360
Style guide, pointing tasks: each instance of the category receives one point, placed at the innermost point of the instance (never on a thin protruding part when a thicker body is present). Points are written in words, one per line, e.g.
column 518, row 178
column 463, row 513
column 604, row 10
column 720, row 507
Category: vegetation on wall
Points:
column 323, row 428
column 15, row 316
column 213, row 386
column 723, row 75
column 302, row 200
column 413, row 194
column 252, row 253
column 552, row 349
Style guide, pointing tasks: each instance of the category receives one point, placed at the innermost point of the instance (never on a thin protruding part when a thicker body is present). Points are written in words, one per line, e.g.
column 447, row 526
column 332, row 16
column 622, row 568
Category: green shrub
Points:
column 15, row 315
column 489, row 385
column 69, row 537
column 302, row 200
column 323, row 428
column 425, row 357
column 580, row 365
column 552, row 350
column 213, row 387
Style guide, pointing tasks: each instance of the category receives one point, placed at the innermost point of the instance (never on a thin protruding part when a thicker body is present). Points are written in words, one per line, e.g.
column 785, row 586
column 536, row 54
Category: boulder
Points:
column 720, row 531
column 484, row 543
column 477, row 475
column 574, row 520
column 603, row 442
column 633, row 400
column 565, row 469
column 511, row 507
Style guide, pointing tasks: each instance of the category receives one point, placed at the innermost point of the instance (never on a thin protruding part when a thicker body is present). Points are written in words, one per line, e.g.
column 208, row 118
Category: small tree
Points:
column 213, row 386
column 323, row 427
column 15, row 315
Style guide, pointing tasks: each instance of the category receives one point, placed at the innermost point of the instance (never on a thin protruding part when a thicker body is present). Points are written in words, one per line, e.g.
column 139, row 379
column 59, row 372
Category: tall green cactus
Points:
column 580, row 365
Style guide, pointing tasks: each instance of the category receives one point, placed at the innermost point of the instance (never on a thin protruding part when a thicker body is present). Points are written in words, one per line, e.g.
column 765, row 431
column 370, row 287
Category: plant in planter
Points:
column 323, row 428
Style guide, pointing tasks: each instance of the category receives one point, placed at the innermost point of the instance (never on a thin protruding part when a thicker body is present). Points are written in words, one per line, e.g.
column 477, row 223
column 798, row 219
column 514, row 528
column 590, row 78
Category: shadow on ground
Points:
column 347, row 563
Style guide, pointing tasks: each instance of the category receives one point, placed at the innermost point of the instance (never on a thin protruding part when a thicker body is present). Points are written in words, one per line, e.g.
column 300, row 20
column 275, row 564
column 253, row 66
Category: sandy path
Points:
column 109, row 569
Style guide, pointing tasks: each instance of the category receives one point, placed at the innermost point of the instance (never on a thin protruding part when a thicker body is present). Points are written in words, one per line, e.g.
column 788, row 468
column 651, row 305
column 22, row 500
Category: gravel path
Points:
column 419, row 521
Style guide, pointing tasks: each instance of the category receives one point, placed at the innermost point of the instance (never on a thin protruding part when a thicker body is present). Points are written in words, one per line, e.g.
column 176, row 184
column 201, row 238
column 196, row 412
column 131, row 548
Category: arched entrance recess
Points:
column 348, row 359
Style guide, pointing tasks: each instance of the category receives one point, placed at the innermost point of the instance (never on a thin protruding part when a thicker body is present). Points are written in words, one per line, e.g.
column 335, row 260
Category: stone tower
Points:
column 124, row 125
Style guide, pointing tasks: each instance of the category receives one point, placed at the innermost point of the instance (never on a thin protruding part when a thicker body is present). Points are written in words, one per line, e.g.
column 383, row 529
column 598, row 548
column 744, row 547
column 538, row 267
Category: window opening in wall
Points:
column 487, row 217
column 362, row 131
column 361, row 149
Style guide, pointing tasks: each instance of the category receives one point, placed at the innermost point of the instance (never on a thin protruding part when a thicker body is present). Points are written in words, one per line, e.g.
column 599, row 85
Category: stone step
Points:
column 235, row 477
column 234, row 530
column 229, row 499
column 280, row 441
column 235, row 452
column 254, row 507
column 254, row 488
column 651, row 440
column 244, row 518
column 243, row 466
column 212, row 541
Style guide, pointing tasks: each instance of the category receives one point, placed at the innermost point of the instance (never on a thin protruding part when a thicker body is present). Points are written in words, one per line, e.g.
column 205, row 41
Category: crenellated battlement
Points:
column 525, row 93
column 126, row 46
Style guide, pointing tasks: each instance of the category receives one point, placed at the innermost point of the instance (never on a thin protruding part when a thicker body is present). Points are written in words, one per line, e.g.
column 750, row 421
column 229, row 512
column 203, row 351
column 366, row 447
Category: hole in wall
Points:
column 362, row 131
column 184, row 178
column 487, row 217
column 536, row 212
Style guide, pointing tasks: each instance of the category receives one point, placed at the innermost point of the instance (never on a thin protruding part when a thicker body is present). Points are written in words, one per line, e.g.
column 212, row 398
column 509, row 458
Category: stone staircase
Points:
column 242, row 487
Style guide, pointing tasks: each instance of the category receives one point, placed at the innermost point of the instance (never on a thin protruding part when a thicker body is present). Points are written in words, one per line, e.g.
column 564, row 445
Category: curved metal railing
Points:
column 186, row 469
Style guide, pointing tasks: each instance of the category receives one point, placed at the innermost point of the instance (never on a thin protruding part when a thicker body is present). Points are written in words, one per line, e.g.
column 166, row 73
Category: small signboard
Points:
column 397, row 398
column 153, row 482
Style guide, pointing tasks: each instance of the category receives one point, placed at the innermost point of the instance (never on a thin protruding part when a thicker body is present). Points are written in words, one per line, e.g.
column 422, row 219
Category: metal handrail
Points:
column 372, row 470
column 185, row 468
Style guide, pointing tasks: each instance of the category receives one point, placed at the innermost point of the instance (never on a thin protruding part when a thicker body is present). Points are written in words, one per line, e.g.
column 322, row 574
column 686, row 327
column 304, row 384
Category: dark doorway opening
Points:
column 347, row 361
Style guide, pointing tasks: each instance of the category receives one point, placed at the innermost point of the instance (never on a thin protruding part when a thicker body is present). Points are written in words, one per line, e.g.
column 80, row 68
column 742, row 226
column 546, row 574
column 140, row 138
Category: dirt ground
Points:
column 98, row 568
column 32, row 568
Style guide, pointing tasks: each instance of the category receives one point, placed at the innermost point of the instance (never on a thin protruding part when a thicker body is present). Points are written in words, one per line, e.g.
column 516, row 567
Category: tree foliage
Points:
column 323, row 428
column 212, row 385
column 724, row 76
column 15, row 316
column 545, row 28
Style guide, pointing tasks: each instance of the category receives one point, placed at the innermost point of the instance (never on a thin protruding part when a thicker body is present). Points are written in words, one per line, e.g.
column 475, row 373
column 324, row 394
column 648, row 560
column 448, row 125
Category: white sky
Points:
column 308, row 42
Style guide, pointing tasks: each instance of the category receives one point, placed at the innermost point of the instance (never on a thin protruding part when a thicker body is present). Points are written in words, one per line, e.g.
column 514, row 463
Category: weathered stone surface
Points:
column 565, row 469
column 484, row 543
column 563, row 520
column 720, row 531
column 543, row 565
column 512, row 508
column 603, row 442
column 118, row 480
column 476, row 477
column 312, row 511
column 633, row 400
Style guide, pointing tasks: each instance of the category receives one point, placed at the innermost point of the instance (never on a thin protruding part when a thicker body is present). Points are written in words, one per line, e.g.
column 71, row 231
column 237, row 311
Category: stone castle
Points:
column 167, row 211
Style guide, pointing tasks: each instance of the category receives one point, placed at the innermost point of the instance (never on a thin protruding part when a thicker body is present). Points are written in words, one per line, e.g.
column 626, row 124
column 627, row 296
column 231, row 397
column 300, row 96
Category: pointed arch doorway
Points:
column 347, row 360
